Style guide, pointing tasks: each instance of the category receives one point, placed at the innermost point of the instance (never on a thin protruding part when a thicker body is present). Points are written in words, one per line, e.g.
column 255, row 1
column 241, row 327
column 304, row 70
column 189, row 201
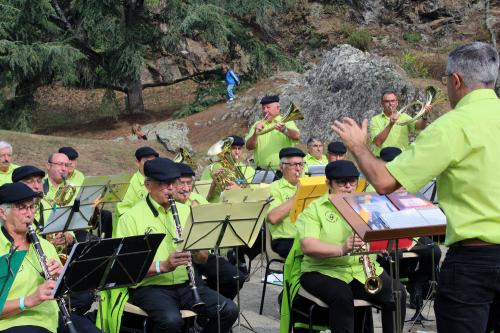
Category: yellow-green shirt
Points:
column 462, row 149
column 310, row 160
column 322, row 221
column 46, row 209
column 6, row 177
column 201, row 200
column 141, row 219
column 76, row 178
column 398, row 136
column 281, row 191
column 269, row 145
column 136, row 192
column 27, row 280
column 247, row 171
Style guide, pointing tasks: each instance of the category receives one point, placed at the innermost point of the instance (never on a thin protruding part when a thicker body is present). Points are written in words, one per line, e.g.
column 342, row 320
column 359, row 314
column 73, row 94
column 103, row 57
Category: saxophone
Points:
column 373, row 284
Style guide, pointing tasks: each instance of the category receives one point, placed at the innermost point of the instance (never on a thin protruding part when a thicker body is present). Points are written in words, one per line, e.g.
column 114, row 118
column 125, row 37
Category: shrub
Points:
column 412, row 37
column 360, row 39
column 413, row 66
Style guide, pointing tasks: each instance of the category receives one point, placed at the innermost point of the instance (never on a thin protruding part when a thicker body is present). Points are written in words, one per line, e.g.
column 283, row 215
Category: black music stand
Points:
column 223, row 225
column 104, row 264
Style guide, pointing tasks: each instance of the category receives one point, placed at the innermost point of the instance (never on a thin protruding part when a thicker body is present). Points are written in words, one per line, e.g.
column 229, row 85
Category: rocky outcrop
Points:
column 173, row 133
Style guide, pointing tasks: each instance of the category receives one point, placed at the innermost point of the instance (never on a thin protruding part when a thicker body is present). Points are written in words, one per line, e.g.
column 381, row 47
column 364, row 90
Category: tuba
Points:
column 183, row 156
column 430, row 94
column 292, row 113
column 231, row 173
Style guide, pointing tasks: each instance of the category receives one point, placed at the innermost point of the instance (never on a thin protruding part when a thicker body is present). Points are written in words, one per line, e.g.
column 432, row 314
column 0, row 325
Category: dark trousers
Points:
column 162, row 304
column 228, row 276
column 251, row 252
column 469, row 287
column 340, row 299
column 81, row 323
column 26, row 329
column 282, row 246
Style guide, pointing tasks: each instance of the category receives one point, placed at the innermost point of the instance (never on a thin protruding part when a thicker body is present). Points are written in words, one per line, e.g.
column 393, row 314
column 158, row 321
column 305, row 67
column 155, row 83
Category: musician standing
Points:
column 267, row 146
column 75, row 177
column 165, row 290
column 461, row 149
column 283, row 192
column 6, row 167
column 384, row 132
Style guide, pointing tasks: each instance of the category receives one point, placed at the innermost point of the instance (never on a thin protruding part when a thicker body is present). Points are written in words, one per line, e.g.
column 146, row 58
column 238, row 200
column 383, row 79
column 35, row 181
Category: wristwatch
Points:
column 285, row 131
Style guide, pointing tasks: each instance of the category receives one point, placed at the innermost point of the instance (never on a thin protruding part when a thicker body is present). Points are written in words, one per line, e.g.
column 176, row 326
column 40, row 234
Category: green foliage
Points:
column 412, row 37
column 413, row 66
column 360, row 39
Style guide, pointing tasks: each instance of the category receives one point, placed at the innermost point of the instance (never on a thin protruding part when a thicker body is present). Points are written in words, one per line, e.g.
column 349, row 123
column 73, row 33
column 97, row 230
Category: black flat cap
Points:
column 291, row 152
column 270, row 99
column 70, row 152
column 16, row 192
column 161, row 169
column 337, row 147
column 185, row 170
column 387, row 154
column 26, row 171
column 145, row 151
column 341, row 169
column 237, row 140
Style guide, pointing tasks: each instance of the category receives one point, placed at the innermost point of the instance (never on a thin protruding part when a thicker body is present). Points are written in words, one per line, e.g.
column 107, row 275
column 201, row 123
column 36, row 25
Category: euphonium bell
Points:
column 183, row 156
column 231, row 172
column 292, row 113
column 64, row 194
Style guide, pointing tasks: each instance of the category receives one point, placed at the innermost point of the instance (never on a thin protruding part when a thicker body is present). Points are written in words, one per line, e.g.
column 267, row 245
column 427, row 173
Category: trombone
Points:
column 292, row 113
column 430, row 94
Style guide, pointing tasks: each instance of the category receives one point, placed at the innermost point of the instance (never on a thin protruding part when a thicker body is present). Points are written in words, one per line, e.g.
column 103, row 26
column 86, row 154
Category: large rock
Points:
column 173, row 133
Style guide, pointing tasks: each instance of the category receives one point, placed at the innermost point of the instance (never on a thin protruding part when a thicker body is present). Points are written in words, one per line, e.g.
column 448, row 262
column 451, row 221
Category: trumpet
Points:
column 292, row 113
column 430, row 94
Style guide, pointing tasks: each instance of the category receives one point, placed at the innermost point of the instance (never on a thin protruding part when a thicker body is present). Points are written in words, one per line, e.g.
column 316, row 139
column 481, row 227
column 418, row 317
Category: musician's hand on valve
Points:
column 232, row 186
column 351, row 133
column 280, row 127
column 428, row 108
column 394, row 117
column 41, row 294
column 353, row 242
column 259, row 127
column 174, row 260
column 54, row 267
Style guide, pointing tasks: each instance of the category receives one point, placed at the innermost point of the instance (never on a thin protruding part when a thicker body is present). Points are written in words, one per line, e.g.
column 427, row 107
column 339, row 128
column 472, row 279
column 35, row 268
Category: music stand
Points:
column 202, row 187
column 263, row 176
column 309, row 189
column 111, row 188
column 316, row 170
column 104, row 264
column 9, row 266
column 222, row 225
column 260, row 192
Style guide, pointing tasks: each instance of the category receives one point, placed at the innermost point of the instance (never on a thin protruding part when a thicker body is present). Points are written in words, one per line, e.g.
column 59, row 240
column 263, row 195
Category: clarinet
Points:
column 178, row 228
column 43, row 262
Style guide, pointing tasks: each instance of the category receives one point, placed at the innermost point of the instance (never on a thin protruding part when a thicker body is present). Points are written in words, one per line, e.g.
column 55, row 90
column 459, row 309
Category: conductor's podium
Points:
column 135, row 320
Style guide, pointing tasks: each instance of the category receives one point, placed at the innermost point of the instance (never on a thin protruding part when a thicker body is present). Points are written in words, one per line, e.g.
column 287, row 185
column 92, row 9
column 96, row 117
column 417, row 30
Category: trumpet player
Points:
column 328, row 272
column 383, row 129
column 283, row 192
column 165, row 290
column 267, row 146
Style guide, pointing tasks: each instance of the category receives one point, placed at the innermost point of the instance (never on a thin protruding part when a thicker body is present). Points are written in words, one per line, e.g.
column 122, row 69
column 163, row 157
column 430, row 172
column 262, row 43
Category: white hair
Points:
column 6, row 208
column 476, row 62
column 5, row 144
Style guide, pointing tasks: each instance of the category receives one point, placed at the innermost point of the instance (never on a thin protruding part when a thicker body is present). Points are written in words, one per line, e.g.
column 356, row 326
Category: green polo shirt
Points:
column 462, row 149
column 398, row 136
column 136, row 192
column 52, row 191
column 27, row 280
column 76, row 178
column 196, row 197
column 281, row 191
column 269, row 145
column 310, row 160
column 247, row 171
column 322, row 221
column 6, row 177
column 141, row 219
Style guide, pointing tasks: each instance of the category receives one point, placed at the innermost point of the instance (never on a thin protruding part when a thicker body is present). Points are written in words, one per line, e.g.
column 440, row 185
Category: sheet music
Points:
column 412, row 217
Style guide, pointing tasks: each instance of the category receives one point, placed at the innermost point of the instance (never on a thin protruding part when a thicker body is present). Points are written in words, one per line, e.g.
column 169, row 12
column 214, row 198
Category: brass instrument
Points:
column 197, row 302
column 230, row 173
column 64, row 193
column 430, row 94
column 183, row 156
column 292, row 113
column 42, row 258
column 373, row 284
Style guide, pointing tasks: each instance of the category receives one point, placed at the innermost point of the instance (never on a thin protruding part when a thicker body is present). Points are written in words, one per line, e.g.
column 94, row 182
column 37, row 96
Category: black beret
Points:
column 16, row 192
column 185, row 169
column 26, row 171
column 70, row 152
column 387, row 154
column 237, row 140
column 145, row 151
column 270, row 99
column 341, row 169
column 161, row 169
column 291, row 152
column 337, row 147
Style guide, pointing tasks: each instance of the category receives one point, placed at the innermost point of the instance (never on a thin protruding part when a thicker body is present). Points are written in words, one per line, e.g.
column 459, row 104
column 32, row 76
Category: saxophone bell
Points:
column 373, row 283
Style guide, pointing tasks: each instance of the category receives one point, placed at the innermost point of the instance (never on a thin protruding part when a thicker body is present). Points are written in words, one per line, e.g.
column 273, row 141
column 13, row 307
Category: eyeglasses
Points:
column 185, row 183
column 67, row 165
column 344, row 181
column 33, row 181
column 317, row 146
column 176, row 182
column 294, row 165
column 390, row 101
column 444, row 79
column 5, row 155
column 24, row 208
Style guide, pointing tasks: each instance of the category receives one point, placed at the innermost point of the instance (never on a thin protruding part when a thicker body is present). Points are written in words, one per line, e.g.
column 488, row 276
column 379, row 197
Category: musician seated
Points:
column 213, row 170
column 283, row 192
column 136, row 190
column 29, row 307
column 166, row 288
column 336, row 151
column 75, row 177
column 267, row 146
column 328, row 271
column 6, row 167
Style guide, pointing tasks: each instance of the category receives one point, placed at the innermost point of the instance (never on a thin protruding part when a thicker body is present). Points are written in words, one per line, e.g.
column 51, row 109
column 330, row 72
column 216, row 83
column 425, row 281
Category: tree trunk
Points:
column 135, row 102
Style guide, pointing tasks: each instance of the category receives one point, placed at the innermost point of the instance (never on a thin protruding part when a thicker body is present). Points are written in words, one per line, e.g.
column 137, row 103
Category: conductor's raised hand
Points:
column 351, row 133
column 174, row 260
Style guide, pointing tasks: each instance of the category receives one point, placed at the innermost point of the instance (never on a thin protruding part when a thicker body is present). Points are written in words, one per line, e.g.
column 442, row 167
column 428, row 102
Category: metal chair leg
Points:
column 264, row 287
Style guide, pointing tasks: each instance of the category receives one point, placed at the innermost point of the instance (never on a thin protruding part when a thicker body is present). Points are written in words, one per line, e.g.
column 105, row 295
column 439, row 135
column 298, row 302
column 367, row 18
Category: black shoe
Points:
column 231, row 256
